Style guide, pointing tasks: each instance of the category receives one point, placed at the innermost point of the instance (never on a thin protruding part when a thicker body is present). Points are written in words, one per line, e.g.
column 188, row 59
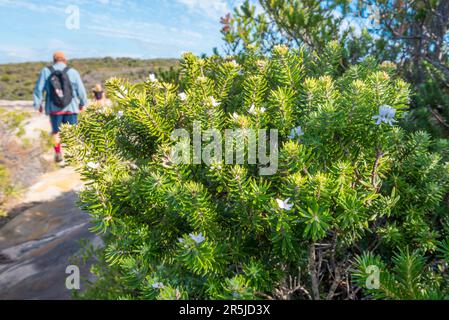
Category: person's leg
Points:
column 71, row 119
column 56, row 121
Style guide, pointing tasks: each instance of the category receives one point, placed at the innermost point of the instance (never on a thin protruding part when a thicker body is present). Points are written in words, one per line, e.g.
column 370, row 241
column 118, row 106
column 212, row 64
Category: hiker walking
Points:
column 65, row 96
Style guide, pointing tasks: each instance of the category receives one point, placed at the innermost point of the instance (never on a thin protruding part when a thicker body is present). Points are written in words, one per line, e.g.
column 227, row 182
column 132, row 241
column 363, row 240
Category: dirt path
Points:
column 37, row 244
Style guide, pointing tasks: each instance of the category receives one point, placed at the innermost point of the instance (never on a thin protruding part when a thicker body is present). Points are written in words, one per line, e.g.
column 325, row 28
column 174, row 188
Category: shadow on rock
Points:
column 37, row 245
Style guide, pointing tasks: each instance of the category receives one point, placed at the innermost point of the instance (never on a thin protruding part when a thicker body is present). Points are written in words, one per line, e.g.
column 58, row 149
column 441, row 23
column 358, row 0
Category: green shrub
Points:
column 4, row 179
column 348, row 181
column 46, row 140
column 408, row 278
column 5, row 78
column 12, row 122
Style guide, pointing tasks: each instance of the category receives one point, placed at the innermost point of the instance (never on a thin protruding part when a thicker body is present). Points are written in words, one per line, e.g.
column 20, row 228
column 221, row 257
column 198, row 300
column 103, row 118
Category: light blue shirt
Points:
column 43, row 85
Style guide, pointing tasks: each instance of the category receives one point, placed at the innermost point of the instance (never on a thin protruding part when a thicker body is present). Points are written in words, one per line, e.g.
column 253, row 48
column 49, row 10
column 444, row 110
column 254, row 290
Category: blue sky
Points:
column 31, row 30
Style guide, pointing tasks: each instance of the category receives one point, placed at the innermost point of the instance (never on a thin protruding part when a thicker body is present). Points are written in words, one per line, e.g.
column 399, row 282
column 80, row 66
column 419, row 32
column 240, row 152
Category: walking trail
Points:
column 37, row 244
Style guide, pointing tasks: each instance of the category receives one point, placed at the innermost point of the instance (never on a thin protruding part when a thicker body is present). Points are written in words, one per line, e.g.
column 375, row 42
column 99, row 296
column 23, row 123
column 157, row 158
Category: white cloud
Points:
column 59, row 7
column 213, row 9
column 144, row 32
column 17, row 53
column 30, row 6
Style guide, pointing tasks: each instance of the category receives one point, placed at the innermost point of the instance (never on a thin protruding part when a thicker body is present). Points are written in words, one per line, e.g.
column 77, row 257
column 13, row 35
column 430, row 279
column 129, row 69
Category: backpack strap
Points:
column 52, row 69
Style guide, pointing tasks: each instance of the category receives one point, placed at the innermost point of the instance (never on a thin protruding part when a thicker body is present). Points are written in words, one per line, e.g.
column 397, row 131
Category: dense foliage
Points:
column 353, row 189
column 413, row 34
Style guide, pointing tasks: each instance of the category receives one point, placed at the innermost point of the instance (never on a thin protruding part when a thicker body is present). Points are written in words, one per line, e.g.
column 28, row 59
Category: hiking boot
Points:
column 58, row 157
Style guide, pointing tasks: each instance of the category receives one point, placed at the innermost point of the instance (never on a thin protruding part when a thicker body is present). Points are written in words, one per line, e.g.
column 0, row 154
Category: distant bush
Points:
column 5, row 78
column 17, row 80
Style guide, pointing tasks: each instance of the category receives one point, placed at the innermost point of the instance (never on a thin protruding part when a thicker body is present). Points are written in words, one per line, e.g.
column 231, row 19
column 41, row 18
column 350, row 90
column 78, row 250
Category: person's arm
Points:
column 38, row 95
column 81, row 91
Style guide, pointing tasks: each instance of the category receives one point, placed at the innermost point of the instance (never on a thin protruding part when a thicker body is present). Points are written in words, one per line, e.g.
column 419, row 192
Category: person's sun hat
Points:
column 59, row 56
column 97, row 88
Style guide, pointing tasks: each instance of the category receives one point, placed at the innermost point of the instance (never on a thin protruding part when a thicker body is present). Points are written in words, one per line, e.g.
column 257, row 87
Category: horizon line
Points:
column 92, row 58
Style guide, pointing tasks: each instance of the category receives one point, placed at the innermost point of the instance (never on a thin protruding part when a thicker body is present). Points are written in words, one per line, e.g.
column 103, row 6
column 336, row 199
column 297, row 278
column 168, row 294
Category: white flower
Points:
column 283, row 204
column 197, row 238
column 157, row 285
column 253, row 110
column 235, row 116
column 214, row 102
column 296, row 132
column 93, row 165
column 102, row 110
column 123, row 93
column 152, row 77
column 182, row 96
column 120, row 113
column 234, row 63
column 386, row 114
